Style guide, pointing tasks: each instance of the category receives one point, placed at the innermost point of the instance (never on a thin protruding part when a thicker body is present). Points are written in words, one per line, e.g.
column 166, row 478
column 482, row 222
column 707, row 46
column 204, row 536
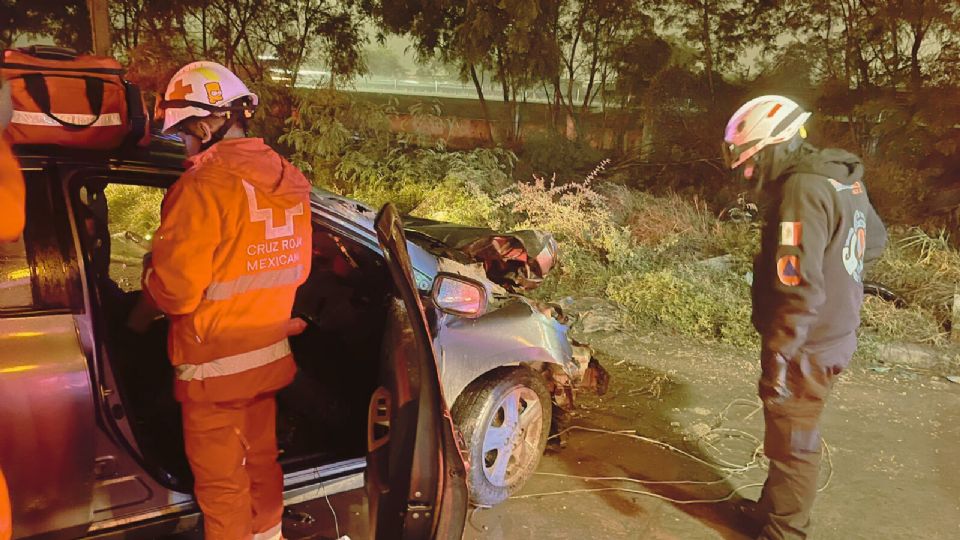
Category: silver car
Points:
column 92, row 443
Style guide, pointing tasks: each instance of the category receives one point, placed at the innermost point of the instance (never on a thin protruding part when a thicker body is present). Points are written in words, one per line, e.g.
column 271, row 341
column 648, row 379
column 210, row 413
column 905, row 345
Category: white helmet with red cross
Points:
column 200, row 89
column 759, row 123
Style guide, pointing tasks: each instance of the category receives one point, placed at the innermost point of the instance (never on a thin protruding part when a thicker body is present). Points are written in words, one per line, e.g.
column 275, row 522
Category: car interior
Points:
column 322, row 415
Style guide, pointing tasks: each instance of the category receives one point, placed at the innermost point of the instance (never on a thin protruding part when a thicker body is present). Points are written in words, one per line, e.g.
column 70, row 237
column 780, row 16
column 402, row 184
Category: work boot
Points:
column 751, row 516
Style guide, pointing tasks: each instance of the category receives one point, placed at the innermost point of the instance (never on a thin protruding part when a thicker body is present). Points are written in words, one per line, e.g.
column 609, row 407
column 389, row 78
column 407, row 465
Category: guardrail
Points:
column 435, row 88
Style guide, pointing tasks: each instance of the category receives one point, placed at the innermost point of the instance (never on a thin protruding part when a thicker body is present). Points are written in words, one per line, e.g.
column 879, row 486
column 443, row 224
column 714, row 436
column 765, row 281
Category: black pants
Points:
column 794, row 392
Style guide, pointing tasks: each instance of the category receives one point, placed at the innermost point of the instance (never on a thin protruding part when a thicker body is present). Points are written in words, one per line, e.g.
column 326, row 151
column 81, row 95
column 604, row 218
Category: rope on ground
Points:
column 727, row 469
column 726, row 498
column 734, row 469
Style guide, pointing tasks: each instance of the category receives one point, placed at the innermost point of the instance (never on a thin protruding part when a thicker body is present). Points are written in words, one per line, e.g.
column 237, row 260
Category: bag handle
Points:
column 37, row 89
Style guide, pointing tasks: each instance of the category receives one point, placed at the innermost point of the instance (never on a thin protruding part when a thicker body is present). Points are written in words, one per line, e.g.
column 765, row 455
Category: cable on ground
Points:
column 727, row 470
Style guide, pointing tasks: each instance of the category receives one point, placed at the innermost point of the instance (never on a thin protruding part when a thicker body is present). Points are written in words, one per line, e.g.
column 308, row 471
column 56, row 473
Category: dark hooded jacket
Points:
column 819, row 237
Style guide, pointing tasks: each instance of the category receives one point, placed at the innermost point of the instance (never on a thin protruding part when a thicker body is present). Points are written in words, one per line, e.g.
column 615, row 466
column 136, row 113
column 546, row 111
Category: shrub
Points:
column 348, row 146
column 466, row 192
column 549, row 153
column 897, row 192
column 692, row 300
column 574, row 213
column 338, row 140
column 651, row 267
column 448, row 186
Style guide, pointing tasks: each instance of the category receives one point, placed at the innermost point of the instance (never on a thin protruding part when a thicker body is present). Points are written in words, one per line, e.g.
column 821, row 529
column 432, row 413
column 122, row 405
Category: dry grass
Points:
column 924, row 269
column 911, row 324
column 643, row 252
column 671, row 220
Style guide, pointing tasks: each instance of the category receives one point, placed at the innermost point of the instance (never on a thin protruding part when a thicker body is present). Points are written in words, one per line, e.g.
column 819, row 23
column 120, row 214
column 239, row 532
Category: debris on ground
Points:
column 593, row 315
column 908, row 354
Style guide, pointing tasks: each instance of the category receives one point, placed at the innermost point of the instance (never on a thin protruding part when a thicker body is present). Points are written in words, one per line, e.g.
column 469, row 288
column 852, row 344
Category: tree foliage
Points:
column 66, row 22
column 508, row 39
column 260, row 39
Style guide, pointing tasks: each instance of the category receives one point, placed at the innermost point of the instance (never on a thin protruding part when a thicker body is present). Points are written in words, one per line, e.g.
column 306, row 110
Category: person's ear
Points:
column 206, row 132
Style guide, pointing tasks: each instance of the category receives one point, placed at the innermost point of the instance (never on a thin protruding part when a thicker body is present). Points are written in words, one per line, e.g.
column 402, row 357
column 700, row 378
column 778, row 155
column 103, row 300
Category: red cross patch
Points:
column 180, row 91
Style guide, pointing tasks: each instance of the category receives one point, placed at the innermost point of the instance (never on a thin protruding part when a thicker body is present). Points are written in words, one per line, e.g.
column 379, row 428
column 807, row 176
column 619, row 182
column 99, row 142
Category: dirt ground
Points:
column 892, row 471
column 892, row 436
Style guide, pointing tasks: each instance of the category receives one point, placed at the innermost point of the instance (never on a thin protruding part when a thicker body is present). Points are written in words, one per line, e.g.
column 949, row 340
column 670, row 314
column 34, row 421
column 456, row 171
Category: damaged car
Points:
column 505, row 360
column 87, row 383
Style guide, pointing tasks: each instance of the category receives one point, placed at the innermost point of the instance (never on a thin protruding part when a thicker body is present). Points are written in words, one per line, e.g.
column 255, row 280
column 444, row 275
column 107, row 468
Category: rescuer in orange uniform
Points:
column 11, row 180
column 232, row 247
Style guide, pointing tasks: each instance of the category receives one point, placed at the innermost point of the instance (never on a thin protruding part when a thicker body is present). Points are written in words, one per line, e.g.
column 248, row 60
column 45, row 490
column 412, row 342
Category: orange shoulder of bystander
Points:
column 12, row 194
column 6, row 525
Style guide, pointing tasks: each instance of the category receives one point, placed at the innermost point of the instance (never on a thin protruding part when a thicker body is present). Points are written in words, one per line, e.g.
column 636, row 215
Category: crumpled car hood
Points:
column 518, row 260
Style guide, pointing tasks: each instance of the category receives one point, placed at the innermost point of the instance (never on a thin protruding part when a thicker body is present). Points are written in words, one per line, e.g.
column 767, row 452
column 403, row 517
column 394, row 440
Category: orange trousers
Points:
column 232, row 449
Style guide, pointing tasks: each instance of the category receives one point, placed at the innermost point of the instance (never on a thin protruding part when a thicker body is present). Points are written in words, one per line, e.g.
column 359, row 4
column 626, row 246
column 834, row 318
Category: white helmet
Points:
column 200, row 89
column 759, row 123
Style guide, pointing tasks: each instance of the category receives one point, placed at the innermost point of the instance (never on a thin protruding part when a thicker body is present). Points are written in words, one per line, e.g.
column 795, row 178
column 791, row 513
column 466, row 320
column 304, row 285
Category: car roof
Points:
column 164, row 152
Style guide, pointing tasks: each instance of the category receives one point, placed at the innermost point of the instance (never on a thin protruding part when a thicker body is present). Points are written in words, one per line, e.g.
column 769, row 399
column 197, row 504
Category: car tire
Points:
column 503, row 458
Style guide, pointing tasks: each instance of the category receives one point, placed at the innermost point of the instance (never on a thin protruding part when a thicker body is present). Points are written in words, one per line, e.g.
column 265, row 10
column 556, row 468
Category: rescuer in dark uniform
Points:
column 820, row 234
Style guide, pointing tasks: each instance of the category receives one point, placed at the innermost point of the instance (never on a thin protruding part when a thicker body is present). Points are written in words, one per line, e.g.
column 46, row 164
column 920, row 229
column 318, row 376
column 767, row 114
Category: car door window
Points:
column 132, row 216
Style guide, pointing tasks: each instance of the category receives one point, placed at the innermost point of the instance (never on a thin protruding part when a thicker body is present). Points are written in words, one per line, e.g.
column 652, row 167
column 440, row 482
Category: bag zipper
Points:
column 81, row 77
column 103, row 71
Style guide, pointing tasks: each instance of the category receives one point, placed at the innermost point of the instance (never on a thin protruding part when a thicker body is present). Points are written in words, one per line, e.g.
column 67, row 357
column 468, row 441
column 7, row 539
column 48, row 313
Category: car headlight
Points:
column 459, row 296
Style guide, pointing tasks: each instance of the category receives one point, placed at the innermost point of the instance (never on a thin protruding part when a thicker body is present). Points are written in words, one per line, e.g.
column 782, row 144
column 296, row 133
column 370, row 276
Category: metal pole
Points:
column 100, row 26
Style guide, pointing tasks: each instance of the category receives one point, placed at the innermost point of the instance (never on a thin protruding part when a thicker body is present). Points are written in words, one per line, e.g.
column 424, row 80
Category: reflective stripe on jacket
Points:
column 232, row 248
column 11, row 195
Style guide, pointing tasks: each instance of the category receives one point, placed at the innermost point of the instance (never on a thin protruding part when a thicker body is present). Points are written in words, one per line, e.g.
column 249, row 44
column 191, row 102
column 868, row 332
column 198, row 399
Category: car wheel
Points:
column 504, row 417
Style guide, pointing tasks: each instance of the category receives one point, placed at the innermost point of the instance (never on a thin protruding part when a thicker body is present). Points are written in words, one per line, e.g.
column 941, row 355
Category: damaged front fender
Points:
column 521, row 331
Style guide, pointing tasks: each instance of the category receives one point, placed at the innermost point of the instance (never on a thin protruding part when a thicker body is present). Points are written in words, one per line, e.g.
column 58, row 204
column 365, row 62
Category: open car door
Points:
column 415, row 476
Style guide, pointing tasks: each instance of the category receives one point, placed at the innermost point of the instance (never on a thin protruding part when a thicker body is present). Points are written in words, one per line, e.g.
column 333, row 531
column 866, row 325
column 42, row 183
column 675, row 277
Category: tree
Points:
column 65, row 22
column 509, row 39
column 721, row 29
column 384, row 62
column 589, row 33
column 251, row 37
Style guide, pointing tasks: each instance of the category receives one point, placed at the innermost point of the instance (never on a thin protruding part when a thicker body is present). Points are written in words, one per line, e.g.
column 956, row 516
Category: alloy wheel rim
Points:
column 512, row 436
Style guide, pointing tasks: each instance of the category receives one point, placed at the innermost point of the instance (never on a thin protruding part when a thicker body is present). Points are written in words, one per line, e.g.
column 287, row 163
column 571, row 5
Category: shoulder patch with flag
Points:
column 790, row 233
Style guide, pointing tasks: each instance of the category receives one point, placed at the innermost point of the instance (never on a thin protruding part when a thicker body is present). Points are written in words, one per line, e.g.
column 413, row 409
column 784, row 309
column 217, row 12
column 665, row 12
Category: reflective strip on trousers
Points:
column 274, row 533
column 262, row 280
column 231, row 365
column 41, row 119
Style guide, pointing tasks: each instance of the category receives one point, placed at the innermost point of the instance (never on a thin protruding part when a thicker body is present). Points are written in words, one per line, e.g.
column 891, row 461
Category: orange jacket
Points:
column 233, row 245
column 11, row 195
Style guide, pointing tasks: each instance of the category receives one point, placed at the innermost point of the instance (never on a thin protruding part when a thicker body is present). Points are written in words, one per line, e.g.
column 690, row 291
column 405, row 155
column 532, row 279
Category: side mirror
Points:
column 457, row 295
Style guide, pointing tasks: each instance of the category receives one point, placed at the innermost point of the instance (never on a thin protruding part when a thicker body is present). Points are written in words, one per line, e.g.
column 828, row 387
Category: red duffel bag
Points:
column 79, row 101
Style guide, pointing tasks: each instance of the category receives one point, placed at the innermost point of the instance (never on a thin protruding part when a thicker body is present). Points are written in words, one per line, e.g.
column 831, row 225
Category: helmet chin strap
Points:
column 773, row 160
column 221, row 132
